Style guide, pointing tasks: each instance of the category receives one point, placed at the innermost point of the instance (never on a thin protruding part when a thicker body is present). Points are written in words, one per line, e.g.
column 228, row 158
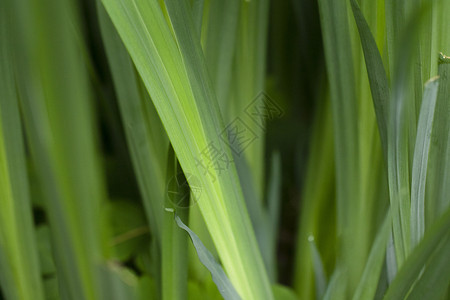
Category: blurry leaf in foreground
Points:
column 19, row 266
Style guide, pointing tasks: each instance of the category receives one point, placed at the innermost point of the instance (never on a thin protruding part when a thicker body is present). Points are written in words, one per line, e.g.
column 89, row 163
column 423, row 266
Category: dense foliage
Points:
column 238, row 149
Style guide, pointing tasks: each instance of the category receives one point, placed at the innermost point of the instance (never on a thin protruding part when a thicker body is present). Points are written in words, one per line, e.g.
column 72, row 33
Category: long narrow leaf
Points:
column 436, row 276
column 59, row 126
column 399, row 138
column 174, row 72
column 339, row 63
column 219, row 47
column 319, row 271
column 318, row 192
column 379, row 85
column 274, row 201
column 420, row 163
column 145, row 135
column 19, row 269
column 174, row 241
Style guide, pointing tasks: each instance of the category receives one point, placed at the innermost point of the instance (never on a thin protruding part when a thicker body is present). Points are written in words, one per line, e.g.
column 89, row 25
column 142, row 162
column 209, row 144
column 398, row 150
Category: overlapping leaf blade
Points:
column 420, row 163
column 379, row 85
column 219, row 277
column 369, row 281
column 411, row 270
column 339, row 64
column 19, row 268
column 58, row 121
column 173, row 70
column 145, row 135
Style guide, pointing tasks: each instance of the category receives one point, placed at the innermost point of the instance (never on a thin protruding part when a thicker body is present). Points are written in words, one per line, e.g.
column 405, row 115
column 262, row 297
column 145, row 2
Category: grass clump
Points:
column 206, row 149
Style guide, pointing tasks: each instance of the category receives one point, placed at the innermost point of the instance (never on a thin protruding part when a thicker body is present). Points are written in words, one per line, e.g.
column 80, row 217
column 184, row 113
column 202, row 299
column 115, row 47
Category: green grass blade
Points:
column 379, row 85
column 219, row 47
column 419, row 257
column 249, row 80
column 174, row 72
column 337, row 287
column 59, row 126
column 264, row 218
column 283, row 293
column 146, row 138
column 420, row 163
column 318, row 192
column 174, row 241
column 368, row 284
column 319, row 270
column 219, row 277
column 273, row 213
column 256, row 210
column 391, row 261
column 340, row 72
column 399, row 138
column 20, row 276
column 339, row 64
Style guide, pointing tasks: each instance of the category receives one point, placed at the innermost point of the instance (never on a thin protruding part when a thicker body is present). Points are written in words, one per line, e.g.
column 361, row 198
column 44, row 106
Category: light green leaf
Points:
column 145, row 134
column 400, row 136
column 55, row 102
column 281, row 292
column 318, row 192
column 420, row 163
column 172, row 67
